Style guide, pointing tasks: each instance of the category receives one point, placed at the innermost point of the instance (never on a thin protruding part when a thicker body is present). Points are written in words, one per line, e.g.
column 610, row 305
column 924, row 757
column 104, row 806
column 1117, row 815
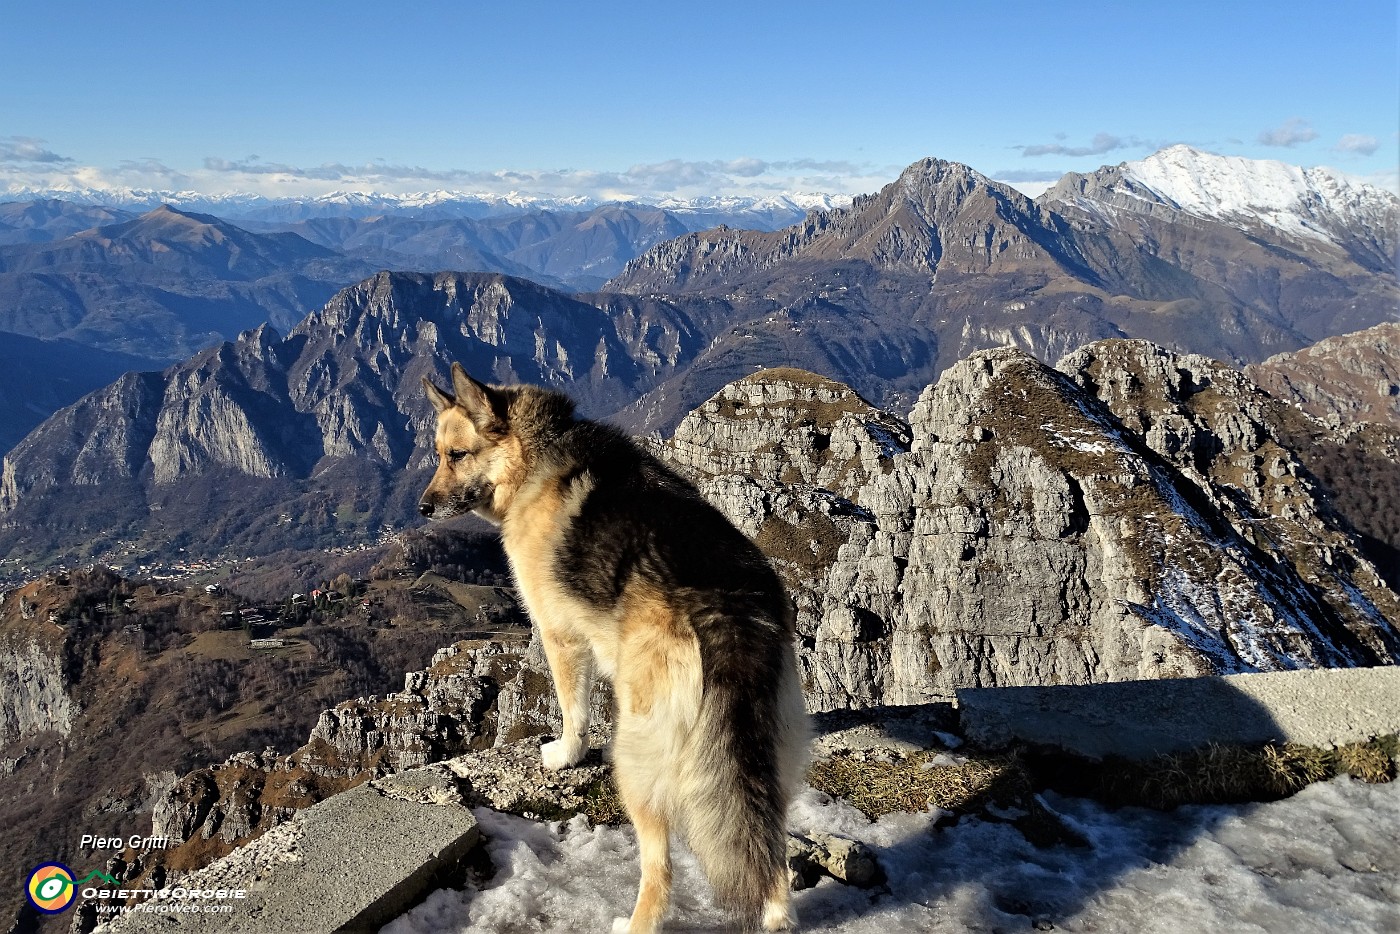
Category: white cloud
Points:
column 28, row 149
column 1100, row 144
column 1389, row 179
column 1294, row 130
column 1030, row 182
column 1359, row 143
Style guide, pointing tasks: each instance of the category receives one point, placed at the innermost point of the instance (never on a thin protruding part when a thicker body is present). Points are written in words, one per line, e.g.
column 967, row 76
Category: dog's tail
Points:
column 745, row 759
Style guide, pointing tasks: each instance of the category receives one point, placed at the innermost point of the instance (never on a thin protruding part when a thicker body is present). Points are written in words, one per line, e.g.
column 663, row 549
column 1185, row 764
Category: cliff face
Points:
column 345, row 382
column 1035, row 533
column 34, row 694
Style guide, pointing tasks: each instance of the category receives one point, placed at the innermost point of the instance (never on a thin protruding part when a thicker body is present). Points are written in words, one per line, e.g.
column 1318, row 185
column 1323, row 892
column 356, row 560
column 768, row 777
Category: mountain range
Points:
column 883, row 296
column 764, row 212
column 891, row 291
column 164, row 284
column 933, row 409
column 149, row 289
column 167, row 282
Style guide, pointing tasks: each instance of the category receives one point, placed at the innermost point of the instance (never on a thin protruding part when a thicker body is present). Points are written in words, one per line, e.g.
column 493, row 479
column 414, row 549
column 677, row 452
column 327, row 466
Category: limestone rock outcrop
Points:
column 1035, row 533
column 34, row 691
column 1131, row 514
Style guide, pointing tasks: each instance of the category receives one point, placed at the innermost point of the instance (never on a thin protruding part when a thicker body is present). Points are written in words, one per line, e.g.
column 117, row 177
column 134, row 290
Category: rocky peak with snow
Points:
column 1309, row 204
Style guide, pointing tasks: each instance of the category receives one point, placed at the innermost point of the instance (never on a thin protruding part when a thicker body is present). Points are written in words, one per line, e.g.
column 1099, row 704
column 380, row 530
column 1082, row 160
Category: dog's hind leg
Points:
column 776, row 914
column 654, row 840
column 571, row 663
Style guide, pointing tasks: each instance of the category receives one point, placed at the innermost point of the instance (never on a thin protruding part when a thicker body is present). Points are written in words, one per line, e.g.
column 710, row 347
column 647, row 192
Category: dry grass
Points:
column 879, row 786
column 1372, row 762
column 602, row 803
column 1229, row 774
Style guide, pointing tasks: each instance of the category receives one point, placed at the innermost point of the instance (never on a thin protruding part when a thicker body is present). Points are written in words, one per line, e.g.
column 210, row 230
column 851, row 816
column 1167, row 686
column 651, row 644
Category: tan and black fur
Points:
column 631, row 574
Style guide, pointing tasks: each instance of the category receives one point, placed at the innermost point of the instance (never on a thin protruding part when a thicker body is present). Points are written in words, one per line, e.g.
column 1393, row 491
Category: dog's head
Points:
column 479, row 459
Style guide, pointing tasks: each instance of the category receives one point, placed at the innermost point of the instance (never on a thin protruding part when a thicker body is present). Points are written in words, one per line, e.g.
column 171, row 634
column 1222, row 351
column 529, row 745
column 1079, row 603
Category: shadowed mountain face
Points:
column 38, row 377
column 332, row 412
column 51, row 219
column 1352, row 384
column 165, row 284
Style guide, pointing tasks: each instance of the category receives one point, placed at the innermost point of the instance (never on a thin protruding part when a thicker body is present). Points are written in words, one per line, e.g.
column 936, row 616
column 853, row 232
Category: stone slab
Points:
column 350, row 863
column 1139, row 719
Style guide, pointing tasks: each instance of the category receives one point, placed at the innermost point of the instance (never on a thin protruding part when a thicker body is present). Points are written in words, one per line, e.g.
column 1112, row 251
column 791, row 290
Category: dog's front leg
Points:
column 571, row 662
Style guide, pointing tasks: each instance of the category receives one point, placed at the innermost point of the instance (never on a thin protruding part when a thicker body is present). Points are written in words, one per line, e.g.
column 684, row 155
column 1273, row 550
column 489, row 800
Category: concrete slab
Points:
column 351, row 863
column 1139, row 719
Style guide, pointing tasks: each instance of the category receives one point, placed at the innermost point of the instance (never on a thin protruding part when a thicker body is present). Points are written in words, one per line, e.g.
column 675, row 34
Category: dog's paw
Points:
column 560, row 754
column 622, row 926
column 776, row 916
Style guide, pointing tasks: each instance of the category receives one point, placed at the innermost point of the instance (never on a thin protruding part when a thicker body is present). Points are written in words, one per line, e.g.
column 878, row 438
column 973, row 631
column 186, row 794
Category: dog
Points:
column 629, row 573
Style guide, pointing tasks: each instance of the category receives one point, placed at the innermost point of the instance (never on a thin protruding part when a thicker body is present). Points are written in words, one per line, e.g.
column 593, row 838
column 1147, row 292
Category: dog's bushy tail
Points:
column 745, row 759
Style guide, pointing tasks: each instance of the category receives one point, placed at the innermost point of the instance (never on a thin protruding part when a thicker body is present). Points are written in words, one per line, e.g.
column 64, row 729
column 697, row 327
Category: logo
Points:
column 51, row 888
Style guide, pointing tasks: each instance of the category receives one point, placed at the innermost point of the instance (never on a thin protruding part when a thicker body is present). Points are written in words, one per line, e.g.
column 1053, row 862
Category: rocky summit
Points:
column 1350, row 378
column 1131, row 514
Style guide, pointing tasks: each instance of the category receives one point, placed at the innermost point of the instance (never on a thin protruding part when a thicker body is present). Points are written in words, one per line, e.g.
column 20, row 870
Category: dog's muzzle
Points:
column 471, row 499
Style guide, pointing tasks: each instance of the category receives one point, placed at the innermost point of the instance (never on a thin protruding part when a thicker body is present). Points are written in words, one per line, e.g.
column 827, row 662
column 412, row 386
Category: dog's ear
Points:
column 485, row 406
column 440, row 398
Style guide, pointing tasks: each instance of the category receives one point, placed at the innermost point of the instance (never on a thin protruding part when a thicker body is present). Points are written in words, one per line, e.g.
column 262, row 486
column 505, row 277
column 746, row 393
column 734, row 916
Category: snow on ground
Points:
column 1326, row 860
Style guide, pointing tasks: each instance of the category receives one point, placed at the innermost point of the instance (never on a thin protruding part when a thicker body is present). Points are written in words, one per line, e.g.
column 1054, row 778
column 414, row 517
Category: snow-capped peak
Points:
column 240, row 204
column 1310, row 203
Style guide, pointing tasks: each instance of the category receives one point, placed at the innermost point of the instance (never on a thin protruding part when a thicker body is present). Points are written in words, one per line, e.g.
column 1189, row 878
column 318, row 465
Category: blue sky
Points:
column 648, row 99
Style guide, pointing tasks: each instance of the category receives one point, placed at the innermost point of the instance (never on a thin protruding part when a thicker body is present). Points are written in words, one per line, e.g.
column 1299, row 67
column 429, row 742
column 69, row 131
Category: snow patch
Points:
column 1321, row 862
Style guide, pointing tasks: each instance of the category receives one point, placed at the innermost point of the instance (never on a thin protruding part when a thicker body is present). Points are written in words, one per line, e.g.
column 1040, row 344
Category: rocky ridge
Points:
column 976, row 264
column 937, row 216
column 475, row 696
column 1354, row 377
column 344, row 384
